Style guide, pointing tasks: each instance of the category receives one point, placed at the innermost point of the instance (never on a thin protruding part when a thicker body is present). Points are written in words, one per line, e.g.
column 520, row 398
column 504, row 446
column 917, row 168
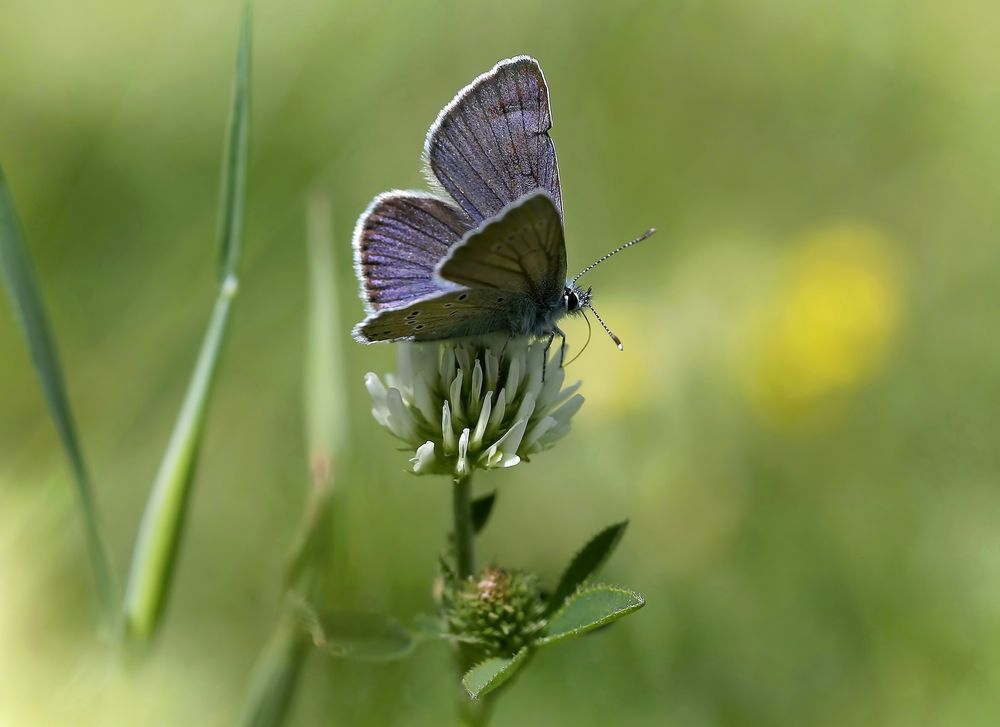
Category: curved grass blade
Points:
column 26, row 298
column 276, row 675
column 278, row 669
column 234, row 162
column 166, row 510
column 325, row 413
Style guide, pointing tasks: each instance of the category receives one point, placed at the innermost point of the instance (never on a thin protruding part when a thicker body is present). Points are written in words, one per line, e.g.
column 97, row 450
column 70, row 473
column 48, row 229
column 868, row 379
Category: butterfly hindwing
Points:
column 521, row 250
column 455, row 314
column 398, row 243
column 490, row 145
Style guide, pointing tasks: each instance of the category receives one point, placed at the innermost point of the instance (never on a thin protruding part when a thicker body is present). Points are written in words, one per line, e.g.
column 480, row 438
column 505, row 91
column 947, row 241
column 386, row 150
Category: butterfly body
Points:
column 485, row 253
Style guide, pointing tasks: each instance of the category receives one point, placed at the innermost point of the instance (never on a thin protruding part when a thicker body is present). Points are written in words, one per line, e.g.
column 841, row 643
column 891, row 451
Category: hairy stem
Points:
column 469, row 712
column 465, row 560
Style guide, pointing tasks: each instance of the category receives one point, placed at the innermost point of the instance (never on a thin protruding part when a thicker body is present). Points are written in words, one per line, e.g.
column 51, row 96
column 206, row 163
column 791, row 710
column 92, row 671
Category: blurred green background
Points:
column 803, row 426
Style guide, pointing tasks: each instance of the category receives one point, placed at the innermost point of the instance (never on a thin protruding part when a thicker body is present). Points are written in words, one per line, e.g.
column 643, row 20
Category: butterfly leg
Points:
column 545, row 356
column 504, row 349
column 562, row 346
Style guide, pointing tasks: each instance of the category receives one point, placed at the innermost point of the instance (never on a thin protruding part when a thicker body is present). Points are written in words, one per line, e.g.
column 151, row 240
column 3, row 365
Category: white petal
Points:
column 496, row 418
column 378, row 394
column 455, row 396
column 484, row 418
column 463, row 466
column 405, row 362
column 400, row 421
column 511, row 439
column 566, row 394
column 446, row 367
column 492, row 369
column 423, row 460
column 564, row 413
column 447, row 432
column 527, row 407
column 554, row 377
column 513, row 376
column 533, row 371
column 536, row 432
column 476, row 391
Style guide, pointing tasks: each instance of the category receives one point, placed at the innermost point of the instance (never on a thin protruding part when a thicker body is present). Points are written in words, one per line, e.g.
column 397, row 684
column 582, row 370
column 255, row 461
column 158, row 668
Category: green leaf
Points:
column 585, row 563
column 234, row 161
column 488, row 675
column 591, row 608
column 354, row 635
column 276, row 675
column 482, row 508
column 166, row 509
column 426, row 626
column 22, row 287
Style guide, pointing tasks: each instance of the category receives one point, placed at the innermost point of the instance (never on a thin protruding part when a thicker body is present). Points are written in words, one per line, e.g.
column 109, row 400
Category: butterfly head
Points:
column 575, row 298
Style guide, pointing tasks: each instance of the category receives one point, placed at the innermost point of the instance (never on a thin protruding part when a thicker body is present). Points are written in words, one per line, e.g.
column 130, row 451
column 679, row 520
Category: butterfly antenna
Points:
column 618, row 341
column 586, row 343
column 617, row 250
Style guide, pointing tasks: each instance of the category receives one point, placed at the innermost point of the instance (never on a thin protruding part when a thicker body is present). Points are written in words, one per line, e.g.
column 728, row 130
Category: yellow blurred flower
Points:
column 829, row 325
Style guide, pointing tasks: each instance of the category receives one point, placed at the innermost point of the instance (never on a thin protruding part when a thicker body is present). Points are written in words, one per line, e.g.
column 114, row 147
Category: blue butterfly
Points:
column 485, row 253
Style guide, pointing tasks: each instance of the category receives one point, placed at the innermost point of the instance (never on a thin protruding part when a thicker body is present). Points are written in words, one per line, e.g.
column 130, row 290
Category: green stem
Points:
column 469, row 712
column 465, row 559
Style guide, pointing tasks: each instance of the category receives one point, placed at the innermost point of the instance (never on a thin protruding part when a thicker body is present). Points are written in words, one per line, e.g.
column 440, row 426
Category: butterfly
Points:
column 485, row 253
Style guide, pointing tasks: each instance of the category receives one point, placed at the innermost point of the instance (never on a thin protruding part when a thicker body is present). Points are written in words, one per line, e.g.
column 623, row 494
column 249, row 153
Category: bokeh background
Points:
column 803, row 426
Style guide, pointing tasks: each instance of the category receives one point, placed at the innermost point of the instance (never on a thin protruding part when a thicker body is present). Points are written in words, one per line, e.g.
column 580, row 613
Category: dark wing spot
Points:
column 463, row 296
column 447, row 305
column 500, row 300
column 419, row 327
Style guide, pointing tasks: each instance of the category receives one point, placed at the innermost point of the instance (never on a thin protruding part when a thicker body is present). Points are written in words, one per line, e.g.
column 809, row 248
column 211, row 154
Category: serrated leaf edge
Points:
column 613, row 616
column 500, row 678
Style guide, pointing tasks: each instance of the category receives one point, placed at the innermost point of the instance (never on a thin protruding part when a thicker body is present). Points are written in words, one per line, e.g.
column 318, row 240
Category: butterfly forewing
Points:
column 398, row 243
column 490, row 145
column 522, row 250
column 450, row 315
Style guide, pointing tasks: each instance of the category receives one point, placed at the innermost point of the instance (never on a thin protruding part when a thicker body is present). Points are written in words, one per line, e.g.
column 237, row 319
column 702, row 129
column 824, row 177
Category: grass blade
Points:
column 163, row 520
column 325, row 410
column 25, row 295
column 166, row 510
column 234, row 161
column 276, row 675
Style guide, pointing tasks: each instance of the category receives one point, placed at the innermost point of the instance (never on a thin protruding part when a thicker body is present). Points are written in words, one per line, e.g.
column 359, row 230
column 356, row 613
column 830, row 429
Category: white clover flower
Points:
column 474, row 405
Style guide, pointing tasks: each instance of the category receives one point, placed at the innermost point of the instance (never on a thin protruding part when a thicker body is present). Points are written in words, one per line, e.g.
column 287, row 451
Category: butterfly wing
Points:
column 454, row 314
column 521, row 250
column 490, row 145
column 398, row 242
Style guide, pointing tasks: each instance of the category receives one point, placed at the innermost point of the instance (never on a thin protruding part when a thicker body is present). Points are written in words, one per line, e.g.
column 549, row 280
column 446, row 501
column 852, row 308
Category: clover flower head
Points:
column 500, row 612
column 474, row 404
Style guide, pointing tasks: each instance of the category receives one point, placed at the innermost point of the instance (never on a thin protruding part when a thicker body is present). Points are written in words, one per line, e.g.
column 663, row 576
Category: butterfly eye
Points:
column 571, row 300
